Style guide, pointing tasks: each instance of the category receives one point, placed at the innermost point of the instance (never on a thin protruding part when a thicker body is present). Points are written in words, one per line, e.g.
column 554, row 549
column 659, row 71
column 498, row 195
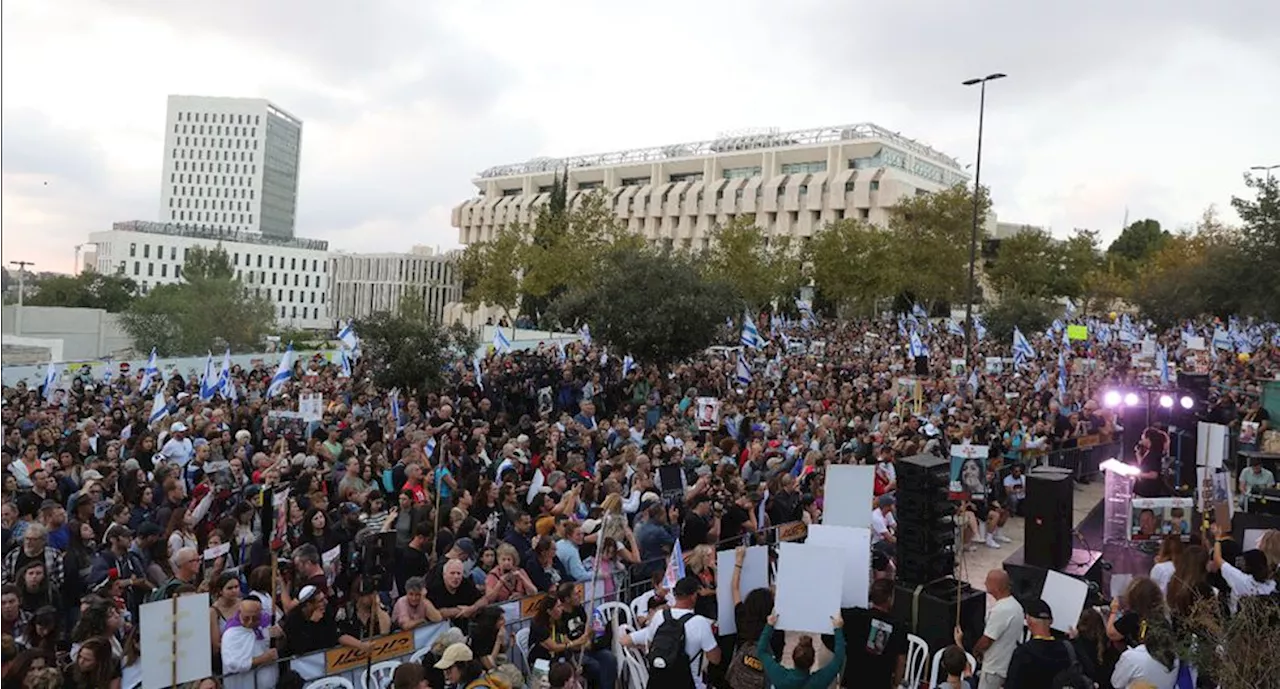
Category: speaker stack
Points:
column 1049, row 508
column 926, row 531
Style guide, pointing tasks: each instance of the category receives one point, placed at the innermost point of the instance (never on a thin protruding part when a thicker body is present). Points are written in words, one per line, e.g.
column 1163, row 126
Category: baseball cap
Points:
column 178, row 427
column 149, row 529
column 1037, row 609
column 117, row 531
column 454, row 654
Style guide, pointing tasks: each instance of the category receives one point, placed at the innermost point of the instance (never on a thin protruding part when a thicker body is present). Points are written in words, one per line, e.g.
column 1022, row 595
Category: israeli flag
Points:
column 51, row 378
column 1070, row 309
column 1221, row 339
column 208, row 383
column 283, row 373
column 1062, row 377
column 584, row 333
column 1188, row 332
column 475, row 366
column 973, row 382
column 1042, row 381
column 430, row 447
column 918, row 311
column 345, row 363
column 1057, row 326
column 159, row 408
column 501, row 344
column 627, row 364
column 106, row 374
column 807, row 318
column 564, row 356
column 347, row 336
column 1162, row 363
column 954, row 328
column 979, row 330
column 224, row 375
column 149, row 373
column 1066, row 339
column 743, row 372
column 918, row 349
column 750, row 335
column 675, row 567
column 393, row 401
column 1022, row 349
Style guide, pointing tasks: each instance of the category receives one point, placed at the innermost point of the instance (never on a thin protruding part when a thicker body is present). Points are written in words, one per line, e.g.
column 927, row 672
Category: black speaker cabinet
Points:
column 1049, row 512
column 930, row 611
column 922, row 366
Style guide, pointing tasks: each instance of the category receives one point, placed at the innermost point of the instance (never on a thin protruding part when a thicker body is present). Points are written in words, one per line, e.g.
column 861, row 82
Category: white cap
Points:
column 178, row 427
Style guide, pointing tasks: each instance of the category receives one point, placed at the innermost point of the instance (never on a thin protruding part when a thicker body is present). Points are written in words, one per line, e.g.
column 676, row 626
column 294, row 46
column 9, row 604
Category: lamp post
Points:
column 981, row 82
column 22, row 288
column 1265, row 168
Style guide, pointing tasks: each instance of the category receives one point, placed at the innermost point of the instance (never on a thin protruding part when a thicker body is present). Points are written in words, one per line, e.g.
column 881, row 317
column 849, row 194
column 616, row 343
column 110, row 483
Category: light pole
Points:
column 1265, row 168
column 981, row 82
column 22, row 288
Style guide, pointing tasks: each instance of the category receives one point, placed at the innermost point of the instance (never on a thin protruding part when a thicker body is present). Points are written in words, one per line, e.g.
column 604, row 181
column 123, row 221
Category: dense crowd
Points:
column 531, row 472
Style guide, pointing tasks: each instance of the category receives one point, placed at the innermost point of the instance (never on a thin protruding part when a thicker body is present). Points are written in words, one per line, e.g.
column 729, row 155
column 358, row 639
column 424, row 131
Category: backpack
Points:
column 668, row 663
column 745, row 670
column 1073, row 677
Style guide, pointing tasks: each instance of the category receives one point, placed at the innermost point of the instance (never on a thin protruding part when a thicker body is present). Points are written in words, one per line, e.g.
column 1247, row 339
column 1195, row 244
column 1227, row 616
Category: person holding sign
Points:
column 802, row 657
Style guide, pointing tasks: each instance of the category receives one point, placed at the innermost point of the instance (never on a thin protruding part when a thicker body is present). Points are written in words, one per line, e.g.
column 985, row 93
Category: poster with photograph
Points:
column 708, row 410
column 311, row 406
column 957, row 367
column 818, row 348
column 995, row 364
column 1151, row 519
column 969, row 472
column 1249, row 431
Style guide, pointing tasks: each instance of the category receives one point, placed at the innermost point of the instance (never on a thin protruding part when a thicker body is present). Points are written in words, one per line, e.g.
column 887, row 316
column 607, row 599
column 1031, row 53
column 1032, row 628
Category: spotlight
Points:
column 1187, row 402
column 1131, row 399
column 1111, row 399
column 1166, row 401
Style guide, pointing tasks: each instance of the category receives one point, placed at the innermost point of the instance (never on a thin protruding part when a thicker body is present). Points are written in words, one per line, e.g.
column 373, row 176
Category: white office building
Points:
column 364, row 284
column 792, row 182
column 231, row 164
column 293, row 274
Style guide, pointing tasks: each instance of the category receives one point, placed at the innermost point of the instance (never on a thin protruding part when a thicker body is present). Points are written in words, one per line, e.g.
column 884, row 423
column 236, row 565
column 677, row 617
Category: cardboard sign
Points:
column 1077, row 332
column 384, row 648
column 792, row 531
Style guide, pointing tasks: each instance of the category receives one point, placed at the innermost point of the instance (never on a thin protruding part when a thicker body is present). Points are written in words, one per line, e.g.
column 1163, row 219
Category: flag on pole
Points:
column 393, row 400
column 1021, row 348
column 159, row 408
column 283, row 373
column 149, row 372
column 209, row 384
column 347, row 336
column 1162, row 363
column 750, row 335
column 1062, row 377
column 501, row 344
column 345, row 364
column 627, row 364
column 917, row 348
column 51, row 378
column 954, row 328
column 675, row 567
column 475, row 367
column 585, row 334
column 743, row 372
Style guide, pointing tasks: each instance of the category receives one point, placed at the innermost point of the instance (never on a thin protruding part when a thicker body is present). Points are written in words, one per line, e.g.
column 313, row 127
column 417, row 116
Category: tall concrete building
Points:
column 364, row 284
column 231, row 164
column 792, row 182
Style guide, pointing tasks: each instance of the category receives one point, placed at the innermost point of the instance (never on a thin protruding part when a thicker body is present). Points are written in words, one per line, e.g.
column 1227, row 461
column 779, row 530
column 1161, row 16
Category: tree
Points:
column 1028, row 264
column 1194, row 272
column 1030, row 314
column 491, row 271
column 88, row 290
column 655, row 306
column 410, row 353
column 1260, row 243
column 853, row 264
column 1139, row 241
column 759, row 269
column 1238, row 651
column 932, row 233
column 1081, row 255
column 209, row 309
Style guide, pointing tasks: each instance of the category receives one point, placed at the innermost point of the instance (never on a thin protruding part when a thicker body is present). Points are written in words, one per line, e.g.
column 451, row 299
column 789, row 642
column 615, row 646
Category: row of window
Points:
column 212, row 217
column 201, row 154
column 316, row 264
column 146, row 252
column 232, row 168
column 293, row 312
column 265, row 293
column 214, row 204
column 216, row 192
column 151, row 269
column 215, row 129
column 215, row 142
column 803, row 191
column 262, row 278
column 217, row 118
column 198, row 181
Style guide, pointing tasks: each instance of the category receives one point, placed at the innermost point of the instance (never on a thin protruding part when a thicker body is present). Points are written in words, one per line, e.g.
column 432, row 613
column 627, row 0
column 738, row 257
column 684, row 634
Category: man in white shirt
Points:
column 178, row 449
column 246, row 646
column 699, row 637
column 883, row 524
column 1002, row 634
column 1015, row 488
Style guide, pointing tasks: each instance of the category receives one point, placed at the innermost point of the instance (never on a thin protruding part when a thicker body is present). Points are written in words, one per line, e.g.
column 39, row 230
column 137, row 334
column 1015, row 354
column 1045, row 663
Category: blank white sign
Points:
column 847, row 496
column 855, row 546
column 810, row 582
column 1065, row 596
column 156, row 631
column 755, row 575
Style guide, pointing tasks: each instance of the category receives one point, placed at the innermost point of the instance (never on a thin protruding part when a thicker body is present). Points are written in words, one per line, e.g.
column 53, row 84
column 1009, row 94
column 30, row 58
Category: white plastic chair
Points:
column 935, row 673
column 330, row 683
column 640, row 605
column 379, row 676
column 619, row 612
column 522, row 650
column 633, row 667
column 419, row 654
column 917, row 659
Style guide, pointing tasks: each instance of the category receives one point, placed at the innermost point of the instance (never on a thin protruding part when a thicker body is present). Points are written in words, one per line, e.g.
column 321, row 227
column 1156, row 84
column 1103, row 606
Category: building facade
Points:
column 792, row 182
column 364, row 284
column 293, row 274
column 231, row 164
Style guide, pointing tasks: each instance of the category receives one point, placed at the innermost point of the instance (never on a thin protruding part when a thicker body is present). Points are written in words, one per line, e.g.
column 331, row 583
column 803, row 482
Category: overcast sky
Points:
column 1157, row 106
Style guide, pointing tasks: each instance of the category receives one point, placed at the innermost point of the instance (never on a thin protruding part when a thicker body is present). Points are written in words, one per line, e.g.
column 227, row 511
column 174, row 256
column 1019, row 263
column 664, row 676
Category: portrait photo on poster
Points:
column 1154, row 518
column 969, row 471
column 708, row 413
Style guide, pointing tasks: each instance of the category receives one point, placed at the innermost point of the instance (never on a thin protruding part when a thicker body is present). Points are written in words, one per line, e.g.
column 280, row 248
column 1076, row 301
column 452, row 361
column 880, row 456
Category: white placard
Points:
column 1196, row 343
column 1252, row 537
column 847, row 496
column 809, row 588
column 535, row 486
column 755, row 575
column 855, row 544
column 311, row 406
column 1065, row 596
column 1212, row 444
column 1120, row 584
column 156, row 631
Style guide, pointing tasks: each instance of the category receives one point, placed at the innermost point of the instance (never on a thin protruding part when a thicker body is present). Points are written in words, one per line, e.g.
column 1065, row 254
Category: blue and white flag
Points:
column 604, row 357
column 807, row 319
column 584, row 333
column 159, row 408
column 979, row 330
column 345, row 364
column 347, row 336
column 1070, row 309
column 743, row 372
column 1022, row 349
column 209, row 383
column 1221, row 339
column 917, row 347
column 1162, row 363
column 52, row 376
column 149, row 373
column 429, row 448
column 224, row 376
column 1057, row 326
column 675, row 567
column 1042, row 381
column 283, row 373
column 564, row 356
column 973, row 382
column 393, row 401
column 954, row 328
column 1062, row 377
column 475, row 367
column 627, row 364
column 918, row 311
column 501, row 344
column 750, row 335
column 107, row 373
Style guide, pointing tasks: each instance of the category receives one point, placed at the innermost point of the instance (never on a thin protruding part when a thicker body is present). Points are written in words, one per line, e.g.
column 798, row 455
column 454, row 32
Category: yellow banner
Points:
column 342, row 658
column 1077, row 332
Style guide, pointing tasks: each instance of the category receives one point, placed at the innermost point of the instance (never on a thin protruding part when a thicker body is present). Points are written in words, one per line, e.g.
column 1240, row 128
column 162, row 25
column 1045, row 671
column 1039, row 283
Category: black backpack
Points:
column 1073, row 677
column 669, row 664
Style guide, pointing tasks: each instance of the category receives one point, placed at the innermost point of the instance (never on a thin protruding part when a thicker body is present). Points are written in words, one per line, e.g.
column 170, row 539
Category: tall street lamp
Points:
column 981, row 82
column 1265, row 168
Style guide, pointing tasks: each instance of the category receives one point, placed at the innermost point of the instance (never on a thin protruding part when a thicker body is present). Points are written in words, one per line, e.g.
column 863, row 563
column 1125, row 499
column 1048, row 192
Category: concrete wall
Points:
column 523, row 339
column 85, row 333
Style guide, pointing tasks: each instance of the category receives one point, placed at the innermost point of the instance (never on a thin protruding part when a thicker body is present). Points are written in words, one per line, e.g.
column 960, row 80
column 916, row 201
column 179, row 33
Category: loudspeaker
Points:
column 1049, row 509
column 930, row 611
column 926, row 536
column 922, row 366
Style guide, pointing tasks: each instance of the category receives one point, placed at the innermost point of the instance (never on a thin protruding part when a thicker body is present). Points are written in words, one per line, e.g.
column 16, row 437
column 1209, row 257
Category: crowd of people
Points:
column 533, row 472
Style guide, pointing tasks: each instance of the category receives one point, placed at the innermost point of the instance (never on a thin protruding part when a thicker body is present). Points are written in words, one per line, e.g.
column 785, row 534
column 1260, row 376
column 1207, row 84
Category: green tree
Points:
column 1030, row 314
column 1028, row 264
column 853, row 264
column 760, row 269
column 88, row 290
column 1194, row 272
column 491, row 271
column 410, row 353
column 655, row 306
column 1260, row 244
column 1081, row 255
column 209, row 309
column 1139, row 241
column 932, row 234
